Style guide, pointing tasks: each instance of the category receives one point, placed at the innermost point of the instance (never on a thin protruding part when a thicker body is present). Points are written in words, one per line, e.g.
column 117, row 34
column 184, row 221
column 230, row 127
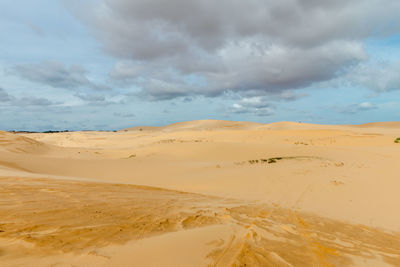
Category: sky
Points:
column 112, row 64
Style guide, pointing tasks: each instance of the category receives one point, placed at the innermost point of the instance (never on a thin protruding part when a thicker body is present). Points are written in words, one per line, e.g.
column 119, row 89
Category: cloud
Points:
column 4, row 96
column 124, row 114
column 99, row 99
column 91, row 97
column 36, row 29
column 356, row 108
column 32, row 101
column 186, row 47
column 57, row 75
column 163, row 84
column 26, row 101
column 380, row 77
column 253, row 105
column 291, row 95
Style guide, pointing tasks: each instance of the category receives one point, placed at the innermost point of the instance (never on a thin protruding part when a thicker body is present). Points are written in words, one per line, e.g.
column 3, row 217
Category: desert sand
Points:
column 202, row 193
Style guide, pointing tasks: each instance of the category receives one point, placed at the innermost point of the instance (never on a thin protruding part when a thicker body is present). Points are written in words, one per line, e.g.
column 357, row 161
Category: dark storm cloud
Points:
column 234, row 45
column 56, row 74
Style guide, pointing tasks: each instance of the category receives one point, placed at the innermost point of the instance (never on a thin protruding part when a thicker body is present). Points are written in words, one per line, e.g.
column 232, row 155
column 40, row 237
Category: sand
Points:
column 202, row 193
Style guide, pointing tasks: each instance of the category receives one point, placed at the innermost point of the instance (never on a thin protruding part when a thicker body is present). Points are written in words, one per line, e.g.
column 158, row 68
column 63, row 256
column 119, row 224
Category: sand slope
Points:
column 20, row 144
column 202, row 193
column 55, row 219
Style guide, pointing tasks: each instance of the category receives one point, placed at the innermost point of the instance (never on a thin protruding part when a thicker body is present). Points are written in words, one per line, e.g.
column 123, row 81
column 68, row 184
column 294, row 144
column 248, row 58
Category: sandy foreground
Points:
column 202, row 193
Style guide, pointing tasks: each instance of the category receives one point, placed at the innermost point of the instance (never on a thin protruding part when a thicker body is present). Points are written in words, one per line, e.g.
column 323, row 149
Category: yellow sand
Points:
column 202, row 193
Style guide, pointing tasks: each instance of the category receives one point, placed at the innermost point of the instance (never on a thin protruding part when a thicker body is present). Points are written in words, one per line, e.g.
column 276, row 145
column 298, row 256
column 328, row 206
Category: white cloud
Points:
column 380, row 77
column 253, row 105
column 356, row 108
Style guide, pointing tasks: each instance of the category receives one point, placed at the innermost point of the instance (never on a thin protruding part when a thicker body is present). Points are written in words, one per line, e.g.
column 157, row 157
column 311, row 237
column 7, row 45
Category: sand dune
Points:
column 387, row 124
column 20, row 144
column 202, row 193
column 204, row 125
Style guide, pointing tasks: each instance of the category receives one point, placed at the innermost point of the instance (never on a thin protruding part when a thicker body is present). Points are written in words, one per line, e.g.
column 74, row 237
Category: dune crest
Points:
column 387, row 124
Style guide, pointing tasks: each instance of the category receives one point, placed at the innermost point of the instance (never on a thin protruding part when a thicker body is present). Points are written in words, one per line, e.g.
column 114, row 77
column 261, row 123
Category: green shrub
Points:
column 397, row 140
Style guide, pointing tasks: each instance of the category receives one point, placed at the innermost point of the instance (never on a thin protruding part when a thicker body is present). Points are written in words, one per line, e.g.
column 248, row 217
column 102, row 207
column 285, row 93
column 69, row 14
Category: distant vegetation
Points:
column 397, row 140
column 63, row 131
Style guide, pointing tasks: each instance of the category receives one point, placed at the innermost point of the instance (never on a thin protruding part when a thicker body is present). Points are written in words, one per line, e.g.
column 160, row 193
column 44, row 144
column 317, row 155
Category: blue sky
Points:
column 105, row 65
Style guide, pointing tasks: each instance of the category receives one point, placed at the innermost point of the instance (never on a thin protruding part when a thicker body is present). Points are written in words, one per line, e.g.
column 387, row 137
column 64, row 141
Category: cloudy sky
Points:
column 110, row 64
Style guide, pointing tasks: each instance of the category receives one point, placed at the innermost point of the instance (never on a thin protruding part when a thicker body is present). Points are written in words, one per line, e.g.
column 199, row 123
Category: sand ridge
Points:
column 388, row 124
